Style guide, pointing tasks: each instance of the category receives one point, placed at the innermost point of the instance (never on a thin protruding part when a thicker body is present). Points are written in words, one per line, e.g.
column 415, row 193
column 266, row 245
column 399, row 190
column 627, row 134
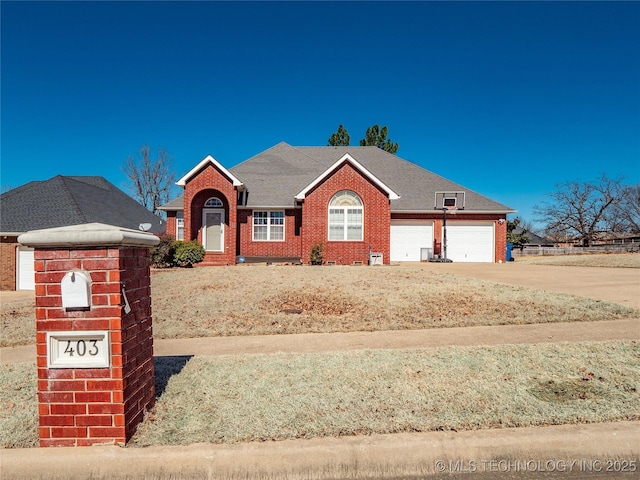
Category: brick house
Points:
column 355, row 201
column 59, row 202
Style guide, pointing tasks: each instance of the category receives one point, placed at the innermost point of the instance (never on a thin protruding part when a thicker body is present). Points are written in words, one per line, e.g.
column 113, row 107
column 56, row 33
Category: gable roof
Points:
column 70, row 200
column 346, row 158
column 208, row 160
column 274, row 177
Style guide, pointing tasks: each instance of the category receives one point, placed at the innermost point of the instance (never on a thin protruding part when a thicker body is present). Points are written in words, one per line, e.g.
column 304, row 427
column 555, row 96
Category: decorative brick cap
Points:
column 88, row 235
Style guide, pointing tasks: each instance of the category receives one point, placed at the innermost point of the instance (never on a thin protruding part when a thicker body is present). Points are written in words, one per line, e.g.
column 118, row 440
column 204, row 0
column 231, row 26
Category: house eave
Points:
column 465, row 211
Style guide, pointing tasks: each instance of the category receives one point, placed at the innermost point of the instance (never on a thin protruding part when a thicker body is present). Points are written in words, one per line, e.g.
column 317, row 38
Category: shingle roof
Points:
column 273, row 178
column 62, row 201
column 276, row 175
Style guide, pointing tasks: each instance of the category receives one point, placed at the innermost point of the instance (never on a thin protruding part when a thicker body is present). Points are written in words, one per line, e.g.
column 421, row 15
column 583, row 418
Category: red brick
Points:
column 53, row 325
column 56, row 397
column 51, row 301
column 56, row 373
column 89, row 253
column 50, row 254
column 56, row 420
column 101, row 264
column 105, row 408
column 93, row 397
column 94, row 420
column 68, row 432
column 58, row 442
column 66, row 385
column 99, row 276
column 68, row 409
column 102, row 385
column 62, row 265
column 93, row 373
column 110, row 287
column 45, row 432
column 91, row 324
column 109, row 432
column 43, row 409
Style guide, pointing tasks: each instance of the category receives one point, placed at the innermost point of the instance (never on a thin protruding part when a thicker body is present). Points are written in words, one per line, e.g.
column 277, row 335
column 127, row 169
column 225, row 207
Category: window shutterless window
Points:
column 345, row 217
column 179, row 225
column 268, row 226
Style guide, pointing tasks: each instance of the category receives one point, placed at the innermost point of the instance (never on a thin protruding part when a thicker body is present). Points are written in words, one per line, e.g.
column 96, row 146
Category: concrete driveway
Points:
column 618, row 285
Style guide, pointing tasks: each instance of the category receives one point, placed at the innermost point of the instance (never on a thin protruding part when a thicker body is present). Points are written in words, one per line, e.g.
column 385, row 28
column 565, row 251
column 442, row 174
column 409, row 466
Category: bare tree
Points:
column 580, row 210
column 625, row 217
column 151, row 180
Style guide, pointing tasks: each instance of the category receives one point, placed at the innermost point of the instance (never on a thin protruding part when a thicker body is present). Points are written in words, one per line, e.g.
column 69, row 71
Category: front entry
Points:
column 213, row 230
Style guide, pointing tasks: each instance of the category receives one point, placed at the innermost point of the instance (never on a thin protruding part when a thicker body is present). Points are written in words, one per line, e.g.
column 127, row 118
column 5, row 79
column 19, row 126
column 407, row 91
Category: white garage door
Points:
column 24, row 269
column 408, row 238
column 470, row 242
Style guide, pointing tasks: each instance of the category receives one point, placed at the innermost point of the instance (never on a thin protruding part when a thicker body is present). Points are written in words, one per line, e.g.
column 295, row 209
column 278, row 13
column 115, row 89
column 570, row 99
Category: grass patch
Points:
column 259, row 300
column 610, row 260
column 18, row 406
column 275, row 397
column 281, row 396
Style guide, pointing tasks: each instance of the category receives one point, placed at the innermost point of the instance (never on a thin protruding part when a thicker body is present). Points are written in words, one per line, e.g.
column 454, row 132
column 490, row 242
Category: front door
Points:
column 213, row 231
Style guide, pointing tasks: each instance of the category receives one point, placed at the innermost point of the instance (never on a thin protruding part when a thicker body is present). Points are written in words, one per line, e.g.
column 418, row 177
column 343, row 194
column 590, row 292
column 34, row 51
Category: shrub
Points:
column 188, row 253
column 162, row 254
column 317, row 253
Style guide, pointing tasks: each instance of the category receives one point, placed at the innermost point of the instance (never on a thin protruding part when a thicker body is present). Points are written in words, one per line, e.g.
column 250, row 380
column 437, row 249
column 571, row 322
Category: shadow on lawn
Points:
column 167, row 367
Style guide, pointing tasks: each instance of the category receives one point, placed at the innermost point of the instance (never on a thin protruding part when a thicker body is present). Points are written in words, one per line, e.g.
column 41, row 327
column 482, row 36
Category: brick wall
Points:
column 290, row 247
column 376, row 210
column 171, row 224
column 97, row 405
column 8, row 263
column 210, row 182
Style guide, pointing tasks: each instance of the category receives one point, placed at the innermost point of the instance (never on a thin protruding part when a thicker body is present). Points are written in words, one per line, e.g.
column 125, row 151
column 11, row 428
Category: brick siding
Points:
column 289, row 247
column 211, row 182
column 79, row 407
column 8, row 263
column 309, row 224
column 376, row 212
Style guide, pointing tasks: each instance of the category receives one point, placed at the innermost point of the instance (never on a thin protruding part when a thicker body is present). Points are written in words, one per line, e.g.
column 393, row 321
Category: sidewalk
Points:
column 328, row 342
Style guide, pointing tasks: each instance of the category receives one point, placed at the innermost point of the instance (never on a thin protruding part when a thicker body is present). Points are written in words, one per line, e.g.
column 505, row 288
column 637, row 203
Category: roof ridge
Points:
column 71, row 195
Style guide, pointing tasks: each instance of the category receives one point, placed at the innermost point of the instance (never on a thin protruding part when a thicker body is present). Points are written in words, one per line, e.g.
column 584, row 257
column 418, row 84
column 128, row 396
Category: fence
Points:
column 619, row 248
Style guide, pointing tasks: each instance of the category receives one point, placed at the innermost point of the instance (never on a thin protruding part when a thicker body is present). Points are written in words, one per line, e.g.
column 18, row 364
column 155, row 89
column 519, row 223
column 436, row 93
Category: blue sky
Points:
column 505, row 98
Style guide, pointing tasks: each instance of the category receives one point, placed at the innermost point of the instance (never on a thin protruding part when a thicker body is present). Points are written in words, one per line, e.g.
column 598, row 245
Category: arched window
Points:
column 345, row 216
column 213, row 202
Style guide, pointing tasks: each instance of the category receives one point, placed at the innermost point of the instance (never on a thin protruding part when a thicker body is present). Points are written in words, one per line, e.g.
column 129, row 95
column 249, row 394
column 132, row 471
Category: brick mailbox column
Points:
column 93, row 333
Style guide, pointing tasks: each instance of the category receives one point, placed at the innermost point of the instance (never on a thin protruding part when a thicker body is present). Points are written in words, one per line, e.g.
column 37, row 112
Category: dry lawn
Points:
column 254, row 300
column 273, row 397
column 611, row 260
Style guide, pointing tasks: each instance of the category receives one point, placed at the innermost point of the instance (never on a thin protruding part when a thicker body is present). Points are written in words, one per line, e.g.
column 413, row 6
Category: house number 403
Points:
column 81, row 348
column 78, row 349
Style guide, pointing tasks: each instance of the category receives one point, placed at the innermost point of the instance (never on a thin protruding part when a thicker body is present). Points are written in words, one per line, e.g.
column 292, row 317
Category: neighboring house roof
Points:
column 274, row 177
column 534, row 240
column 62, row 201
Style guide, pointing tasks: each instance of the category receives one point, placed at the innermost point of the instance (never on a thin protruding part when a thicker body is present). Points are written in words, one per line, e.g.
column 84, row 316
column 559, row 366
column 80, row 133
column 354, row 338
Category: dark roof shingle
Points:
column 71, row 200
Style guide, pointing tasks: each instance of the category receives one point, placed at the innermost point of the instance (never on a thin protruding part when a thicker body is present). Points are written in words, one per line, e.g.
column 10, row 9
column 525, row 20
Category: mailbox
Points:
column 76, row 290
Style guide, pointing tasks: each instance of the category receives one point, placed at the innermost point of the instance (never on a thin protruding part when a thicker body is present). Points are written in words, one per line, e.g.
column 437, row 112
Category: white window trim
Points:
column 268, row 225
column 345, row 209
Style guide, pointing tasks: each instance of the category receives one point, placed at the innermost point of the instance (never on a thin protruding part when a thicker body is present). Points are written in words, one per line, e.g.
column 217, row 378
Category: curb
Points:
column 576, row 449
